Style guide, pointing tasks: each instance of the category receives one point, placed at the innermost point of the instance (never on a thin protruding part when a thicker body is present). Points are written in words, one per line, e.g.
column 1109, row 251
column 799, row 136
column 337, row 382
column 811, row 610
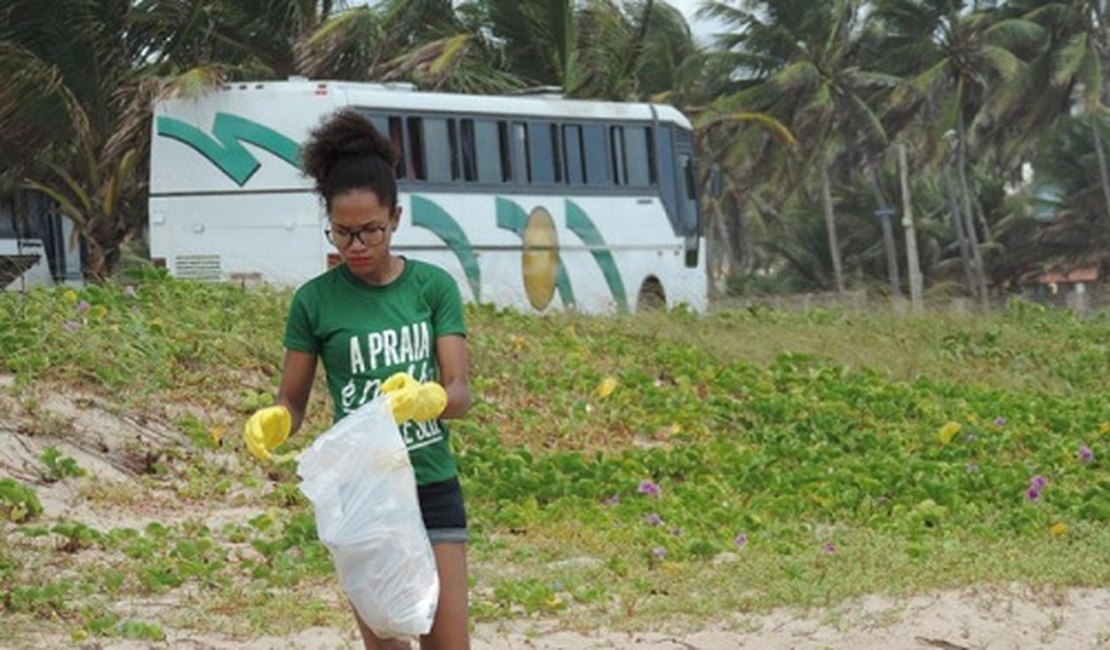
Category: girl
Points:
column 381, row 322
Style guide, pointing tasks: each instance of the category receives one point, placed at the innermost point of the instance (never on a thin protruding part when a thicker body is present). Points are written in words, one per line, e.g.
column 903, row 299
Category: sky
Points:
column 703, row 29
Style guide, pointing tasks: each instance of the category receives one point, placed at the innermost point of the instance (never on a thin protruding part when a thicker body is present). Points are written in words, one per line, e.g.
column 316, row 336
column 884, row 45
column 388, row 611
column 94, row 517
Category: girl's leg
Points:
column 372, row 642
column 451, row 629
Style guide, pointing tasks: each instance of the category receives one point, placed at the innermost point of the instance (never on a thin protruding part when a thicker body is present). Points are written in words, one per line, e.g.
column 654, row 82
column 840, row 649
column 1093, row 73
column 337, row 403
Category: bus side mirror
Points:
column 716, row 185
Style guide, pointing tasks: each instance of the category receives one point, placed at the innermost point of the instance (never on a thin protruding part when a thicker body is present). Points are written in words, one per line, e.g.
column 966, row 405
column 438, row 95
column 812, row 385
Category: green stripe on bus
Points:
column 510, row 216
column 580, row 224
column 226, row 150
column 426, row 214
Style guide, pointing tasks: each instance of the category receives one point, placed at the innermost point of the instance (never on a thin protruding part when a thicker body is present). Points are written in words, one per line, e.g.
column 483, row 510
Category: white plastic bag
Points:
column 360, row 481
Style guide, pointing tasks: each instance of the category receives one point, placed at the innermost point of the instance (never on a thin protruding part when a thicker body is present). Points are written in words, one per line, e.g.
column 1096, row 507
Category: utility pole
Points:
column 912, row 262
column 884, row 214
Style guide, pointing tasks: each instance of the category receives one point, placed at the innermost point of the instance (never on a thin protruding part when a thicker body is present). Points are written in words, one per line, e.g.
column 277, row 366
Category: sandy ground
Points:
column 1012, row 619
column 104, row 442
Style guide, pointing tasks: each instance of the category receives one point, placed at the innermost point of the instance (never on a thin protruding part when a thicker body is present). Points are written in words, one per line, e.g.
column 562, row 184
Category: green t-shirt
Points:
column 365, row 333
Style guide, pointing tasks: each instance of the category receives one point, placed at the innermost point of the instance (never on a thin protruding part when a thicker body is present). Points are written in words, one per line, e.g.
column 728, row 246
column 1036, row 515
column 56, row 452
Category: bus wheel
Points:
column 652, row 297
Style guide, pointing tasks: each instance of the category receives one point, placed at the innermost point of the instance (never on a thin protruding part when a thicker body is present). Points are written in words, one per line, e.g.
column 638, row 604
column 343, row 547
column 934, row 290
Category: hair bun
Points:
column 342, row 135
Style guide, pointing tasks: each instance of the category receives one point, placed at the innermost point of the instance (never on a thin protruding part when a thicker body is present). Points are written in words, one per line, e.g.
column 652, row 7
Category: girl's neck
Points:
column 384, row 274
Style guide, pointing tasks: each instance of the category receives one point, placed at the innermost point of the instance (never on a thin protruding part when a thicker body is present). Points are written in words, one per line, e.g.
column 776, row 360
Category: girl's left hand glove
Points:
column 266, row 430
column 412, row 400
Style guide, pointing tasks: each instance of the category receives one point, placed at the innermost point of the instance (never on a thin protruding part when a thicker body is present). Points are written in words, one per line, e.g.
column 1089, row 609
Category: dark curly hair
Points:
column 345, row 152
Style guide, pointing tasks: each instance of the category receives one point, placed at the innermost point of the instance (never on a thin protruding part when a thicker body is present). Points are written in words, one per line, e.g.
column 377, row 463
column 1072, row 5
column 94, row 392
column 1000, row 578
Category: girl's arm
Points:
column 454, row 374
column 297, row 376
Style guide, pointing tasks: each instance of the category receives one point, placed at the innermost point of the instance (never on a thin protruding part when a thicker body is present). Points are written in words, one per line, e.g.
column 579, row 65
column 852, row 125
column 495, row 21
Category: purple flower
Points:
column 653, row 519
column 1033, row 494
column 613, row 500
column 830, row 548
column 129, row 291
column 676, row 531
column 1000, row 421
column 659, row 552
column 972, row 468
column 83, row 307
column 649, row 488
column 971, row 437
column 1085, row 454
column 1038, row 482
column 741, row 540
column 71, row 326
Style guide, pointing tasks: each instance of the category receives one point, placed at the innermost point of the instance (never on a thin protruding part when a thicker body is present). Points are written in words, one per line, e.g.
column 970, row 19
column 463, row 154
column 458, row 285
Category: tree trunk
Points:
column 102, row 252
column 970, row 285
column 969, row 214
column 744, row 246
column 912, row 261
column 830, row 227
column 888, row 230
column 722, row 263
column 1103, row 174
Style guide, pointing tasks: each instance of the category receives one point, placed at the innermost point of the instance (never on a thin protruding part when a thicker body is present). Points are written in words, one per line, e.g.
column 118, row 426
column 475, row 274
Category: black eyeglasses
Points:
column 342, row 238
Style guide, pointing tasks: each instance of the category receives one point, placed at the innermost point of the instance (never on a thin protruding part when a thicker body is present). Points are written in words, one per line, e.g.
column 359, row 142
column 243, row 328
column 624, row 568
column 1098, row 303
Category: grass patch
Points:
column 619, row 470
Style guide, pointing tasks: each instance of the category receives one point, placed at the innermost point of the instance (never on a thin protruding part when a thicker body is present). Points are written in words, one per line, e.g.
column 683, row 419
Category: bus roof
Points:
column 403, row 96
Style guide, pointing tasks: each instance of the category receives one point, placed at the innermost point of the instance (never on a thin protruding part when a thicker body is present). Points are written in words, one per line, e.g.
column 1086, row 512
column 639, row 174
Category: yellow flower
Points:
column 70, row 296
column 98, row 312
column 217, row 432
column 607, row 386
column 517, row 341
column 1104, row 428
column 1059, row 529
column 948, row 432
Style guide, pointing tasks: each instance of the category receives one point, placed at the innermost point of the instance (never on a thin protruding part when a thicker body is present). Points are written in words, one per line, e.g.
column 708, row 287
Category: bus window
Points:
column 397, row 137
column 468, row 150
column 503, row 141
column 390, row 127
column 488, row 149
column 380, row 122
column 416, row 148
column 572, row 140
column 616, row 155
column 597, row 167
column 543, row 158
column 667, row 179
column 520, row 153
column 557, row 150
column 441, row 149
column 688, row 196
column 638, row 155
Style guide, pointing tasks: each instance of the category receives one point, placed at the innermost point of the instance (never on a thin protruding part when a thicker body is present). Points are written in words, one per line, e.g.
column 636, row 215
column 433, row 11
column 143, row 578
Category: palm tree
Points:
column 802, row 62
column 86, row 149
column 953, row 59
column 1069, row 70
column 594, row 48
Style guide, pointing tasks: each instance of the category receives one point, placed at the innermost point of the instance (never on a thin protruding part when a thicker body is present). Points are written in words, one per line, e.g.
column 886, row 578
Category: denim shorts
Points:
column 444, row 512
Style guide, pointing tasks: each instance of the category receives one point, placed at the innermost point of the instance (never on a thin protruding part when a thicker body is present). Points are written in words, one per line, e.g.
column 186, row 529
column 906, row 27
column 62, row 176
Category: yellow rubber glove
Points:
column 412, row 400
column 266, row 430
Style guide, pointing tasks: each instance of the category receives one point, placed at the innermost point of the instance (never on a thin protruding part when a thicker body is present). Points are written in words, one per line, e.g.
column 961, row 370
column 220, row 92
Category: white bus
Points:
column 530, row 202
column 37, row 245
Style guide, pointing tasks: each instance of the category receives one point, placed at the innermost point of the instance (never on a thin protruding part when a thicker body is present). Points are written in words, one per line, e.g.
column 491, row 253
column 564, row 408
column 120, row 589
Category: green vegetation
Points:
column 619, row 471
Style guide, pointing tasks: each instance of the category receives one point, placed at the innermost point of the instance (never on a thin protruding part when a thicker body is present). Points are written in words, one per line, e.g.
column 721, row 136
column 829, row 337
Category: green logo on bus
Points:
column 224, row 148
column 541, row 263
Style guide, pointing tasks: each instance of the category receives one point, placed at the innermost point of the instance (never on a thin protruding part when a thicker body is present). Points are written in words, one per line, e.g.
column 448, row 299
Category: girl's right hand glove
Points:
column 266, row 430
column 412, row 400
